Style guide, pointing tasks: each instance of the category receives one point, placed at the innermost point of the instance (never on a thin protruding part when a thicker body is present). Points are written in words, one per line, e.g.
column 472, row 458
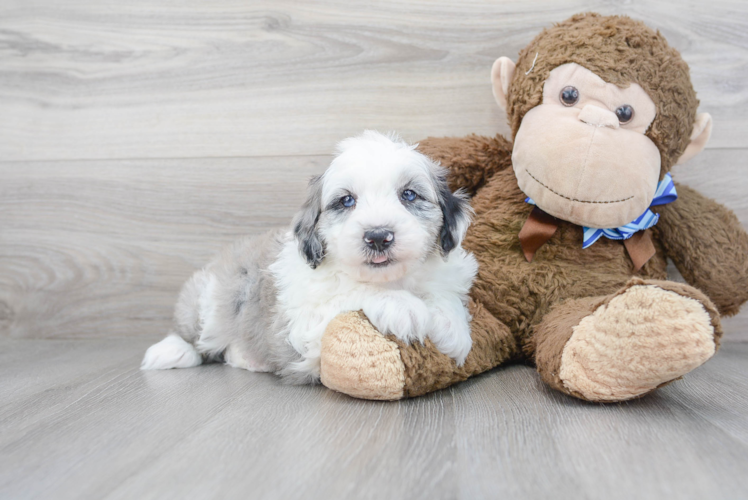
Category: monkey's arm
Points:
column 471, row 160
column 359, row 361
column 708, row 245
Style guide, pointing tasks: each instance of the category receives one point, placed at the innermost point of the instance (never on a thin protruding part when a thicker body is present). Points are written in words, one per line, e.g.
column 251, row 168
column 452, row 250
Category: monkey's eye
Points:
column 348, row 201
column 409, row 195
column 569, row 96
column 625, row 113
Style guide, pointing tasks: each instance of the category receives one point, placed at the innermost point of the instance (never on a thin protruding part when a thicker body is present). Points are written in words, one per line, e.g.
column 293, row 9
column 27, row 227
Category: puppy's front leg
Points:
column 400, row 313
column 449, row 327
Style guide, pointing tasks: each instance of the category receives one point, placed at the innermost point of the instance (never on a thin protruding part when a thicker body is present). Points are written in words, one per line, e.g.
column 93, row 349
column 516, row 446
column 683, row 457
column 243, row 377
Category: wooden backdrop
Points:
column 136, row 138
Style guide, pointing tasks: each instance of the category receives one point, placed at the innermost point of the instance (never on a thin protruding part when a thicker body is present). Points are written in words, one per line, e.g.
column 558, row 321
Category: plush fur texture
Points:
column 621, row 51
column 708, row 245
column 589, row 168
column 378, row 360
column 634, row 342
column 530, row 311
column 380, row 232
column 512, row 298
column 663, row 344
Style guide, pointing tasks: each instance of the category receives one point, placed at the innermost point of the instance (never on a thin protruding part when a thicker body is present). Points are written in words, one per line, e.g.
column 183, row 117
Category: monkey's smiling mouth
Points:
column 574, row 199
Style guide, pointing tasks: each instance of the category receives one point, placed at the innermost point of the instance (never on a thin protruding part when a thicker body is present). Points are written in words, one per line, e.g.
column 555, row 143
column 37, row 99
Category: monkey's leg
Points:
column 359, row 361
column 627, row 344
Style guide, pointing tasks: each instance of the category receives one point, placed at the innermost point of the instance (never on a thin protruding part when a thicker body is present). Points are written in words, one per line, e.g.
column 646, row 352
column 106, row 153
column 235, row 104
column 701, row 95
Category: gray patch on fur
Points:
column 455, row 208
column 311, row 246
column 245, row 311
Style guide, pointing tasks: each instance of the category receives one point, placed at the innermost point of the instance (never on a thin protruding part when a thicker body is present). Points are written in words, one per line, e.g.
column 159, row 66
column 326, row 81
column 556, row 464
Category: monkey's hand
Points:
column 708, row 245
column 358, row 360
column 471, row 160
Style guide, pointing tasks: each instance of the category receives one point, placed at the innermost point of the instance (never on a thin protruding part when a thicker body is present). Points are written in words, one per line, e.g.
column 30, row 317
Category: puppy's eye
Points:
column 348, row 201
column 625, row 113
column 569, row 96
column 409, row 195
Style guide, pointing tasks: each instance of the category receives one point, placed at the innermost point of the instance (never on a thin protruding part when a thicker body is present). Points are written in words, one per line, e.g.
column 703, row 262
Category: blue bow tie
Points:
column 665, row 194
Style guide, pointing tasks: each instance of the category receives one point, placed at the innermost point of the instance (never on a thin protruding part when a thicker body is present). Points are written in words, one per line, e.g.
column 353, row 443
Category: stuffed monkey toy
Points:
column 574, row 222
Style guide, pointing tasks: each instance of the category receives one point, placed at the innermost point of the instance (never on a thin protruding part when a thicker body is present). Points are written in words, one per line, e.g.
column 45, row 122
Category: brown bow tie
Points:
column 540, row 226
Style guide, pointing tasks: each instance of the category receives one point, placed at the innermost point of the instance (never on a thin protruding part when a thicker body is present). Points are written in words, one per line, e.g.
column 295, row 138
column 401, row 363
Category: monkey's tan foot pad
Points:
column 637, row 341
column 359, row 361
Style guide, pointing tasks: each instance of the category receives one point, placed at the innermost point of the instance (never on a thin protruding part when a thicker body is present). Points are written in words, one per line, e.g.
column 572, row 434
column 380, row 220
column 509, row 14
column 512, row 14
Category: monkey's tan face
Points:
column 582, row 155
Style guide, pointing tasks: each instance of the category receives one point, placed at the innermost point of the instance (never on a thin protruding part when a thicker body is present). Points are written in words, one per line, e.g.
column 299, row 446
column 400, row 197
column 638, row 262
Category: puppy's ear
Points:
column 311, row 245
column 457, row 214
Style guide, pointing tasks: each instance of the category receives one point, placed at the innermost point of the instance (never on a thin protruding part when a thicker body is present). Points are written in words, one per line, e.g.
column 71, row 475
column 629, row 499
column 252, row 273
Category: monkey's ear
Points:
column 702, row 130
column 502, row 74
column 311, row 246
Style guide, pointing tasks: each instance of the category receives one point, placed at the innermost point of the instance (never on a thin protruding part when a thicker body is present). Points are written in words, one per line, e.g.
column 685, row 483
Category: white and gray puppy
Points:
column 380, row 232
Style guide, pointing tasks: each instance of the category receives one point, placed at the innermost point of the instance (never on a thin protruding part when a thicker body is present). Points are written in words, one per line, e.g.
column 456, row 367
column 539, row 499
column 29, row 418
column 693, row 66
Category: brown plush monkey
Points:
column 601, row 108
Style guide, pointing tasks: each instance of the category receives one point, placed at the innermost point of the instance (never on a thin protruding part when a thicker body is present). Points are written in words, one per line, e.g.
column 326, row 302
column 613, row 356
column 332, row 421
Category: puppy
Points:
column 380, row 232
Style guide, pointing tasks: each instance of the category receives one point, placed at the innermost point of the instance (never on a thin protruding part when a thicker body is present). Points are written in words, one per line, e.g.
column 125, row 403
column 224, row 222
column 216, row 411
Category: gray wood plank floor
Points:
column 80, row 421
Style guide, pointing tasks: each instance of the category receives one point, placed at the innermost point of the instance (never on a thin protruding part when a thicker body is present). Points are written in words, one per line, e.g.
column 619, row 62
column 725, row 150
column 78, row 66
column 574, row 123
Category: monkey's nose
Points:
column 598, row 117
column 379, row 239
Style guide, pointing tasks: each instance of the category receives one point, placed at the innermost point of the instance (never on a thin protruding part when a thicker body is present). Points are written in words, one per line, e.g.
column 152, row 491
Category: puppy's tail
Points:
column 172, row 352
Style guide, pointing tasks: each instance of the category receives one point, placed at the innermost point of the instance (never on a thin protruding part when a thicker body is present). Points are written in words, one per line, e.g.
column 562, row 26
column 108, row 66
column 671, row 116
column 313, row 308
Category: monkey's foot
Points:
column 637, row 340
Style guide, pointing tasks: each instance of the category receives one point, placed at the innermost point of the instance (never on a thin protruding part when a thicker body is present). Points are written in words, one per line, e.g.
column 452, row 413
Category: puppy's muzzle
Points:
column 379, row 239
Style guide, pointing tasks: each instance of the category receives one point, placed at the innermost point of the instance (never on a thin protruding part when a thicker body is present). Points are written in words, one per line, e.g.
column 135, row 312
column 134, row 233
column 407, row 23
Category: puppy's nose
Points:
column 379, row 239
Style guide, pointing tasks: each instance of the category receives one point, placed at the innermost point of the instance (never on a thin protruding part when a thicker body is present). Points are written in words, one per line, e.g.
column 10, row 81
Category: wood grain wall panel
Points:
column 100, row 248
column 91, row 249
column 109, row 79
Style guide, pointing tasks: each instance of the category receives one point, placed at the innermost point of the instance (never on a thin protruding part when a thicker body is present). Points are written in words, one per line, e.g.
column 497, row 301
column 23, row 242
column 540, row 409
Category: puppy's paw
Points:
column 238, row 358
column 450, row 333
column 172, row 352
column 400, row 313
